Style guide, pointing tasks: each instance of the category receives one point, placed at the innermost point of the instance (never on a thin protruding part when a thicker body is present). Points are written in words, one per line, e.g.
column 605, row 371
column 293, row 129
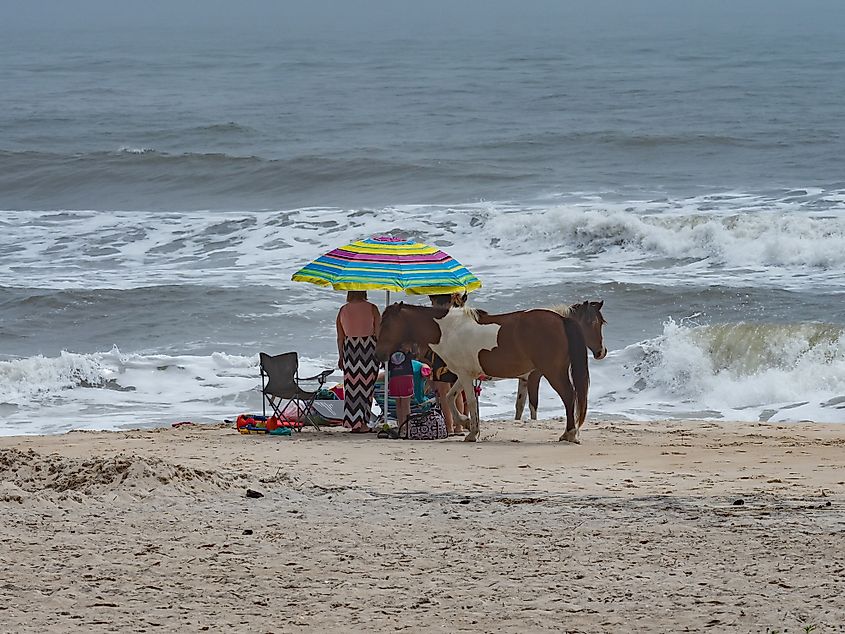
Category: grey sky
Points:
column 383, row 18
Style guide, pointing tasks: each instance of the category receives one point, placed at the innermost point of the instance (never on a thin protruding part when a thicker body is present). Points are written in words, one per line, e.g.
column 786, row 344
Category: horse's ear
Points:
column 599, row 304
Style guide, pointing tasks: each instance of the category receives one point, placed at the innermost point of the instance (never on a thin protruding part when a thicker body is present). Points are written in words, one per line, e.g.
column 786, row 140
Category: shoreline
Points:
column 672, row 524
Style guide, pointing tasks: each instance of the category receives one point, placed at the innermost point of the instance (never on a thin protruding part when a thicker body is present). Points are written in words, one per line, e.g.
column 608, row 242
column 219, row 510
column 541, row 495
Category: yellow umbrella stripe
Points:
column 417, row 249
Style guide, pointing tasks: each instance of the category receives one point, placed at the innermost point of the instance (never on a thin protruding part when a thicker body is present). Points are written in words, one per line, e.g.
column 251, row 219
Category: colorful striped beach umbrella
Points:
column 389, row 264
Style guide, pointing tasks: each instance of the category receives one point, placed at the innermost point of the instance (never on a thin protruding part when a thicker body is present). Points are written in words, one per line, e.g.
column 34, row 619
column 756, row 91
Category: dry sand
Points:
column 662, row 527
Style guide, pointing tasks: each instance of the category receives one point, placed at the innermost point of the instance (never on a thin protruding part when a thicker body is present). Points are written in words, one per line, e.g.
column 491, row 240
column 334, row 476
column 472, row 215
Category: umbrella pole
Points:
column 386, row 407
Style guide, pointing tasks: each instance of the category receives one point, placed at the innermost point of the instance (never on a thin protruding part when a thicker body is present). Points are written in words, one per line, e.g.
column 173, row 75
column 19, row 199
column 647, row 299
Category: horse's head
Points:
column 589, row 317
column 393, row 331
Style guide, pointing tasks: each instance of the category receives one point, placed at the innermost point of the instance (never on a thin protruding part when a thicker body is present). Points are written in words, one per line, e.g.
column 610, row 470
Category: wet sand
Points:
column 666, row 526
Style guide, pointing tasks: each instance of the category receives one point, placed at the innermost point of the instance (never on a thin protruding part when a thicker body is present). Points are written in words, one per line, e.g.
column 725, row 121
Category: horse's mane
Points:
column 562, row 309
column 569, row 311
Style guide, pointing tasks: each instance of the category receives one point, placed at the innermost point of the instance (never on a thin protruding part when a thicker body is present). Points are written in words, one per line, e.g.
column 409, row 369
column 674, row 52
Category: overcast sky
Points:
column 401, row 17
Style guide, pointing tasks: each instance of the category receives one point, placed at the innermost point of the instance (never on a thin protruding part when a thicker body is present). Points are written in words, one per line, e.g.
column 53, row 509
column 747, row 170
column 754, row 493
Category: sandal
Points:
column 392, row 433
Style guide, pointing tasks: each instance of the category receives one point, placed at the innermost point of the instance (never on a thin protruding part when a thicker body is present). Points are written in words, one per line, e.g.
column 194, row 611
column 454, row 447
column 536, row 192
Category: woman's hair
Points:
column 448, row 299
column 353, row 295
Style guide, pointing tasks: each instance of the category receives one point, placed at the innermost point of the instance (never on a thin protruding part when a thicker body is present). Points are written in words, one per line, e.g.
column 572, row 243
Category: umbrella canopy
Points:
column 389, row 264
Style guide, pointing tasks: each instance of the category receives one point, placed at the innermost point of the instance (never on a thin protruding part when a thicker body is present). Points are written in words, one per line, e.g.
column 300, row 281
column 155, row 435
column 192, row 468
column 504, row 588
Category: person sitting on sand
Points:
column 357, row 324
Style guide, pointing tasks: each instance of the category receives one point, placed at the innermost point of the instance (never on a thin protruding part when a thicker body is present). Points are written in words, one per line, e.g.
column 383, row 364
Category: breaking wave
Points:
column 108, row 390
column 23, row 381
column 783, row 241
column 737, row 371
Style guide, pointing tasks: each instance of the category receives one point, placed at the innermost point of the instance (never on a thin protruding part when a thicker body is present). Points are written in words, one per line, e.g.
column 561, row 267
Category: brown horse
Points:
column 507, row 346
column 589, row 317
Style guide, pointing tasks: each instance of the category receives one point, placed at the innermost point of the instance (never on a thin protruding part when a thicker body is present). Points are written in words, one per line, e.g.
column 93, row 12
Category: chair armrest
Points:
column 319, row 377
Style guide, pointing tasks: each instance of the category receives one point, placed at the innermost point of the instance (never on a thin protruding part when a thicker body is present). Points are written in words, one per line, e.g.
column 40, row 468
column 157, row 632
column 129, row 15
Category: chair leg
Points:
column 264, row 397
column 299, row 424
column 304, row 411
column 309, row 412
column 275, row 407
column 300, row 413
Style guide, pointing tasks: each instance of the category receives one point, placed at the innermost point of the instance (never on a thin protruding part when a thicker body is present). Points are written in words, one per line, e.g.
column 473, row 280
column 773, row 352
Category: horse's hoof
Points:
column 469, row 438
column 571, row 436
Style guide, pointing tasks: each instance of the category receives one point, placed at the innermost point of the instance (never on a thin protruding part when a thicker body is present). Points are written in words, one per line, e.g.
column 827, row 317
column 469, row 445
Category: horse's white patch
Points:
column 462, row 338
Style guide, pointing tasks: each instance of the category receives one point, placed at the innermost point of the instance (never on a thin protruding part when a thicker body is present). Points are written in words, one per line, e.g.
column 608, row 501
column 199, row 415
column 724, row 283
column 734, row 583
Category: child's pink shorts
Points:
column 401, row 386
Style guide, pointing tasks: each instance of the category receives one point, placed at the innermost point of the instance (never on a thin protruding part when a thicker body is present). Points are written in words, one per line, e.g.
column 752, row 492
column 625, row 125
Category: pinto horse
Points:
column 507, row 346
column 589, row 317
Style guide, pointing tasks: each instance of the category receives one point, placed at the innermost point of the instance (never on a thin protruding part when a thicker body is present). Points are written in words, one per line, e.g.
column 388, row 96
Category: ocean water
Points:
column 160, row 183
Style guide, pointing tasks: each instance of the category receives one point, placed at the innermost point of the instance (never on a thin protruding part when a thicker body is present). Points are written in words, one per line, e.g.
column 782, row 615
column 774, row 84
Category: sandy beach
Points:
column 665, row 526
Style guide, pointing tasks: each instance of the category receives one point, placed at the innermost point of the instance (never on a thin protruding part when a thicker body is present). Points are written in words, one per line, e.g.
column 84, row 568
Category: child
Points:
column 400, row 384
column 420, row 381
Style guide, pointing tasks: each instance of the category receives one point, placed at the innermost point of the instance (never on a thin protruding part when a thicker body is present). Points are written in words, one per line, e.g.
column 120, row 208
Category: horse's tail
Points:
column 579, row 369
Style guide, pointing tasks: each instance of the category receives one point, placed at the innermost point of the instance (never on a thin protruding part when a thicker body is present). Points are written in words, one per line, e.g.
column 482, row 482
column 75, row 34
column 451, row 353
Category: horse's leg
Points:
column 563, row 386
column 451, row 395
column 521, row 396
column 534, row 392
column 472, row 408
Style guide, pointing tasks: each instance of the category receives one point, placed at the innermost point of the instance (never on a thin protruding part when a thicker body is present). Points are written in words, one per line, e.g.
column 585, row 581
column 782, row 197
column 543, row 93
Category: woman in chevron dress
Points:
column 357, row 324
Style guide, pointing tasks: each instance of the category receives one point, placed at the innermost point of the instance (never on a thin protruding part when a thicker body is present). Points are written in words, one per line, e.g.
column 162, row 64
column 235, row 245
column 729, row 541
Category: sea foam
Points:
column 112, row 390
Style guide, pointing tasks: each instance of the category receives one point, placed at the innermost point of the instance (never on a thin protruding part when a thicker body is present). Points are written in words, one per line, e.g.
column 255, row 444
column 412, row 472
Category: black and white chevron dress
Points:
column 360, row 370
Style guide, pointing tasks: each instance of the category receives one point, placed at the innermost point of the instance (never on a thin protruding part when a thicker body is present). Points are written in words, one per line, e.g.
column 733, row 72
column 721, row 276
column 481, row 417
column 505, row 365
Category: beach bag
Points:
column 428, row 425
